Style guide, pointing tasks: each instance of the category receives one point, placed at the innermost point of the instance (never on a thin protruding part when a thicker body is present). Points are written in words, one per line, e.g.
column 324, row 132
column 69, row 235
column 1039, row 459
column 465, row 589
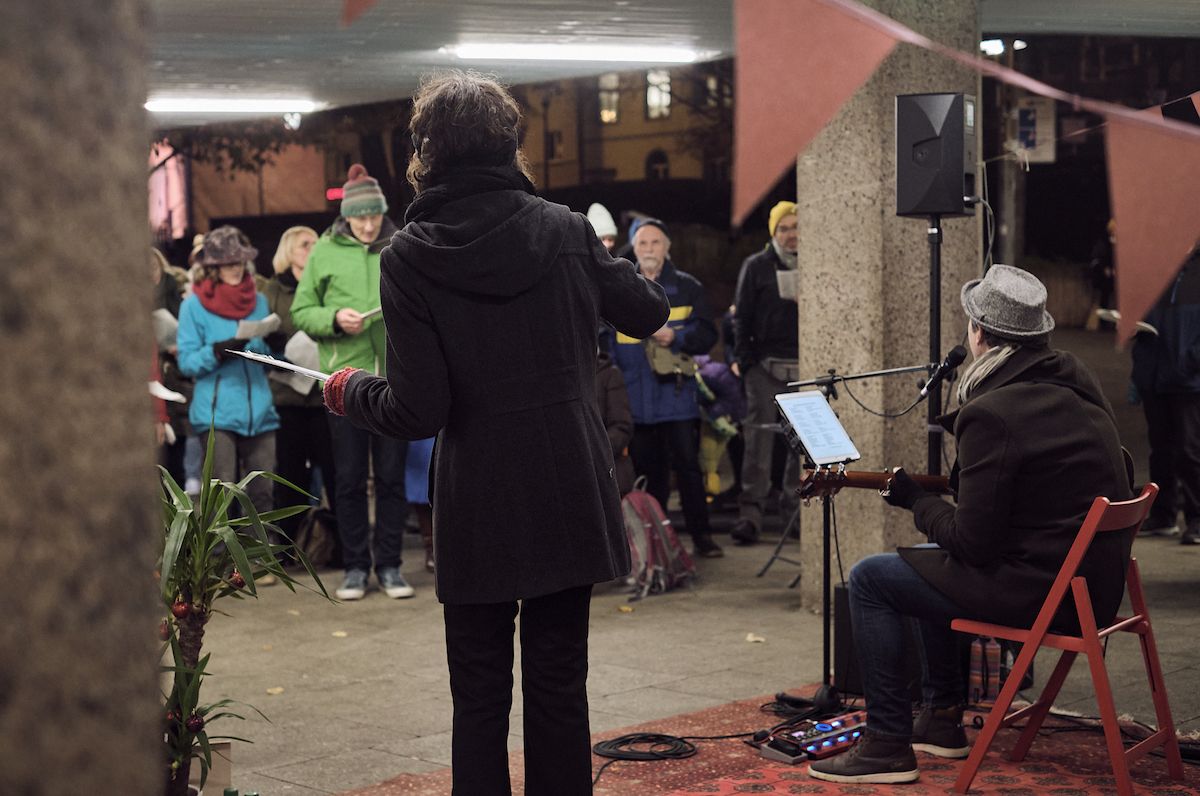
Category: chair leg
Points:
column 1040, row 708
column 1158, row 688
column 1100, row 683
column 995, row 719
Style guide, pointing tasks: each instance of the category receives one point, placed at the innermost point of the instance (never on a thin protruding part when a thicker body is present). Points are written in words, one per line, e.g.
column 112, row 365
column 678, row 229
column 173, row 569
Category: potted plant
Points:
column 207, row 555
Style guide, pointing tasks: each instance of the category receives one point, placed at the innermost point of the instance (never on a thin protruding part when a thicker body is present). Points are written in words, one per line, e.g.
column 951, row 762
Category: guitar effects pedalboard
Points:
column 812, row 740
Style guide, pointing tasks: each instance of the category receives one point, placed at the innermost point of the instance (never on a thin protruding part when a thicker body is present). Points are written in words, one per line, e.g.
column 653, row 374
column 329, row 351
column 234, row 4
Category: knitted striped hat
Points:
column 361, row 195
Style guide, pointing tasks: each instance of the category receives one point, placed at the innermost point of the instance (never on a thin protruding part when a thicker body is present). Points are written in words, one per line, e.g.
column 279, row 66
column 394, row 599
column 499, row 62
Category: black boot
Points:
column 939, row 731
column 875, row 758
column 744, row 532
column 705, row 547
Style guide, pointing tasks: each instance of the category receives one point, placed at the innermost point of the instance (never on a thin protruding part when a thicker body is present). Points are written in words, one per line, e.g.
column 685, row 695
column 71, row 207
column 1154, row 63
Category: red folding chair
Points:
column 1104, row 517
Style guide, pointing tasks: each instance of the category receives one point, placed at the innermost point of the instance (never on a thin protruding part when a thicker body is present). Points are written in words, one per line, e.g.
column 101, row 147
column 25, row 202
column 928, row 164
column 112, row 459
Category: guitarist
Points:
column 1037, row 443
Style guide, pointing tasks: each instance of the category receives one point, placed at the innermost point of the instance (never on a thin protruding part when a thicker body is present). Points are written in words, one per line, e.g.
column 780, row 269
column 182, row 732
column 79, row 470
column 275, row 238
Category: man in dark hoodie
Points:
column 1037, row 444
column 491, row 299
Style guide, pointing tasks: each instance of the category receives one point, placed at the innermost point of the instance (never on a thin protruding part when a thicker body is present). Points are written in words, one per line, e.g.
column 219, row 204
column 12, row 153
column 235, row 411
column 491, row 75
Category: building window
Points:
column 554, row 145
column 609, row 86
column 657, row 165
column 717, row 92
column 658, row 94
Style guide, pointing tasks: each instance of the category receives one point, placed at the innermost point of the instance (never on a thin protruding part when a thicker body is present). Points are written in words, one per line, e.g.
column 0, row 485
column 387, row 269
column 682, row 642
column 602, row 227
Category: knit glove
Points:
column 334, row 391
column 233, row 343
column 902, row 491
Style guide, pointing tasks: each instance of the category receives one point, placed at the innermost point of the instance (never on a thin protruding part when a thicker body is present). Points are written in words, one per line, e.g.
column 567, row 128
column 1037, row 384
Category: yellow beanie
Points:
column 778, row 212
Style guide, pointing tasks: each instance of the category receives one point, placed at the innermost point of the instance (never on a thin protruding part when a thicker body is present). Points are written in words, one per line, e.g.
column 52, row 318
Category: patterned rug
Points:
column 1062, row 762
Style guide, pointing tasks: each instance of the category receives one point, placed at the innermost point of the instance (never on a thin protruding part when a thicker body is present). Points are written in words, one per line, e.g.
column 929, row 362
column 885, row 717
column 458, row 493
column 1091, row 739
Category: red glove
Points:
column 334, row 391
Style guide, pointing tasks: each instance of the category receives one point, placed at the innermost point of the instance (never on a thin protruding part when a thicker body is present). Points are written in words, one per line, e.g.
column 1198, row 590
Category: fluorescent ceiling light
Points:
column 229, row 105
column 1018, row 44
column 992, row 46
column 574, row 52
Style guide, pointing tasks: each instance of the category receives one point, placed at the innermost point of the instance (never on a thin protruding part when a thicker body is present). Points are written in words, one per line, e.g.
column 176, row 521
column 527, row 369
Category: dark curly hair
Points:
column 462, row 119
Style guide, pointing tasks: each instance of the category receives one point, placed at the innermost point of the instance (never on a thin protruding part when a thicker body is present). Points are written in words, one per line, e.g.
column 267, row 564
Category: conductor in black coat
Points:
column 491, row 298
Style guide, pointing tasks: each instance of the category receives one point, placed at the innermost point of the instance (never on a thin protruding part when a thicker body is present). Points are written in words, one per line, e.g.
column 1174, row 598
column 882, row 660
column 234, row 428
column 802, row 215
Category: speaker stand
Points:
column 933, row 406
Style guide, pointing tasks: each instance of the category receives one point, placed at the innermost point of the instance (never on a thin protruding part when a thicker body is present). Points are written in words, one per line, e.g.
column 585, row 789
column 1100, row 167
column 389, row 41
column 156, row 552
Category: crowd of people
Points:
column 554, row 373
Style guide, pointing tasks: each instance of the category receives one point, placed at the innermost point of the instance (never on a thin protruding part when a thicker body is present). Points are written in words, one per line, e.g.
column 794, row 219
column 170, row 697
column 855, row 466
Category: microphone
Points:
column 952, row 361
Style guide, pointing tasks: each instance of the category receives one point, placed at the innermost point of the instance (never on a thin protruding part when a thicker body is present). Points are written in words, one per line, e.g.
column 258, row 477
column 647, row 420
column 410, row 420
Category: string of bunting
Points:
column 834, row 46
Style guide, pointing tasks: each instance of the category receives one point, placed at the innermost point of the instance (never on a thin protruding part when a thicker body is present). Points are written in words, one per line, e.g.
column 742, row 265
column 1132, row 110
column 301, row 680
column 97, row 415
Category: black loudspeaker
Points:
column 935, row 154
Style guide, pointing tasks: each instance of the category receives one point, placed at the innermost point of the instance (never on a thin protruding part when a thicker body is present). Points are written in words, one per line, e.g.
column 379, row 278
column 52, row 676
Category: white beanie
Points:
column 602, row 220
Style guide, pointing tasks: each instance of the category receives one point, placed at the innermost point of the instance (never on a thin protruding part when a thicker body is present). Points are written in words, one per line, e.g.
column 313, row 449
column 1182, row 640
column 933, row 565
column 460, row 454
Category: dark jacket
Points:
column 765, row 325
column 656, row 399
column 726, row 388
column 1037, row 443
column 1169, row 362
column 491, row 299
column 613, row 402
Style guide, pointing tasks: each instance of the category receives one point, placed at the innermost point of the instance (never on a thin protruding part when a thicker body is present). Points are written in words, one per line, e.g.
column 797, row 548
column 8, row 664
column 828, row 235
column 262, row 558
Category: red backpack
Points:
column 659, row 561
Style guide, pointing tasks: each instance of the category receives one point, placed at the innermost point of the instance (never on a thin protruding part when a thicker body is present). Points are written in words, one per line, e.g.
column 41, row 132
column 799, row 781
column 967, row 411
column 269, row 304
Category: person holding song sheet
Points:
column 1037, row 443
column 231, row 394
column 491, row 298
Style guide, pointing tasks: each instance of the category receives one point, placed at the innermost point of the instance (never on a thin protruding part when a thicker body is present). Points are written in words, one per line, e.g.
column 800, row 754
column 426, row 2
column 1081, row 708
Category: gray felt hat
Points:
column 1008, row 302
column 225, row 246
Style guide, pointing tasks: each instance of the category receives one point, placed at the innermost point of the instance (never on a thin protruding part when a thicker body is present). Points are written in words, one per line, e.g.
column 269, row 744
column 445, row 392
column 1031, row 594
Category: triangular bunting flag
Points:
column 798, row 61
column 353, row 9
column 1152, row 177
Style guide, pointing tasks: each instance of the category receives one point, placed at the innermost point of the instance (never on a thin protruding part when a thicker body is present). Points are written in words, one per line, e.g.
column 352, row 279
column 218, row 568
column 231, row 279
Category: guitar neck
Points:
column 939, row 484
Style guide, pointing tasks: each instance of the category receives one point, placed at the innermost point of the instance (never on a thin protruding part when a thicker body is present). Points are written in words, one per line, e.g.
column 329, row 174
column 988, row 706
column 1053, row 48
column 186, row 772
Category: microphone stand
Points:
column 827, row 698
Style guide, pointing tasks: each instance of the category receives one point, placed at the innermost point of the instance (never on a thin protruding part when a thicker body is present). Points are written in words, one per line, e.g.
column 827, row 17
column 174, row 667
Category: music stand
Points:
column 814, row 432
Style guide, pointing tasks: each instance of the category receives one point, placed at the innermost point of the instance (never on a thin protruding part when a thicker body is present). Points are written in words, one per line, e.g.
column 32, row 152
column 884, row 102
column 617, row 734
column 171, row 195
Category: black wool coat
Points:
column 491, row 298
column 1037, row 443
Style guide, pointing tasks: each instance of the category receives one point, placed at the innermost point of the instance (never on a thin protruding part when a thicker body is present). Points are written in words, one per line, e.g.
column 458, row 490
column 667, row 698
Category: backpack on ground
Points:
column 659, row 561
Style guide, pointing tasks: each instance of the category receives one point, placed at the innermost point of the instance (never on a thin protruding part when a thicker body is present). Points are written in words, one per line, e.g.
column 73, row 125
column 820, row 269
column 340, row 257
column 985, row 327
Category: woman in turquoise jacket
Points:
column 232, row 394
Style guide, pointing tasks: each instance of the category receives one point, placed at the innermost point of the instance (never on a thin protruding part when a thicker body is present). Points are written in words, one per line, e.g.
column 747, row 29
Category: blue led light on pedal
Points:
column 826, row 743
column 841, row 739
column 836, row 724
column 823, row 727
column 855, row 734
column 812, row 748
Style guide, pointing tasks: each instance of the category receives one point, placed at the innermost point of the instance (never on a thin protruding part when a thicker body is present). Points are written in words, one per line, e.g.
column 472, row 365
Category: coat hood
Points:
column 482, row 231
column 1044, row 366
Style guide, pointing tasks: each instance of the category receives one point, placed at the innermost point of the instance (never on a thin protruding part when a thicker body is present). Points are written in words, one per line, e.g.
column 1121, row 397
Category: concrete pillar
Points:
column 864, row 276
column 79, row 703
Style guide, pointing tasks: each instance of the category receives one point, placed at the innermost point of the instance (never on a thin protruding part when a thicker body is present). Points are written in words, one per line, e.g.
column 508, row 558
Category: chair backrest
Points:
column 1103, row 517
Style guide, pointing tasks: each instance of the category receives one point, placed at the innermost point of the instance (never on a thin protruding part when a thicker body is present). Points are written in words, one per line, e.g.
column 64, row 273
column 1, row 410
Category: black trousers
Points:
column 1173, row 427
column 302, row 442
column 479, row 650
column 656, row 449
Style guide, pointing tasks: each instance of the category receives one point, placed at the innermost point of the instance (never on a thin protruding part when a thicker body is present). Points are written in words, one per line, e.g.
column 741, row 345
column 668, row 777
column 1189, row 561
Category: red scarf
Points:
column 229, row 301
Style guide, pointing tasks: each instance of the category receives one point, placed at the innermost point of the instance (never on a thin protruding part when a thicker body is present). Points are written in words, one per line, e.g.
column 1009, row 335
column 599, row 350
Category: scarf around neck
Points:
column 229, row 301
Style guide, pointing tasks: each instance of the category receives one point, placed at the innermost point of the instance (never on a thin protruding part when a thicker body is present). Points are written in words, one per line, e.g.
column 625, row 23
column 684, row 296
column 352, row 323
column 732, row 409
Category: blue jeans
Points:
column 884, row 592
column 353, row 448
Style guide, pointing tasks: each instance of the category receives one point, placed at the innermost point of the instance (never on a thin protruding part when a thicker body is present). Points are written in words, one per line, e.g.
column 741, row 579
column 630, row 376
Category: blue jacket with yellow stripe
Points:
column 654, row 399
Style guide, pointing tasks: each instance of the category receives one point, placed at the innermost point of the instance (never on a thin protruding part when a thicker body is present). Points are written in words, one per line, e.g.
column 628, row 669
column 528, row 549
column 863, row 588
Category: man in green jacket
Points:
column 333, row 305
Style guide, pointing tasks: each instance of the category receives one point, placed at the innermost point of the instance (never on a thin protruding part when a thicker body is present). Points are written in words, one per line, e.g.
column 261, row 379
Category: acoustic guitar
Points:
column 822, row 482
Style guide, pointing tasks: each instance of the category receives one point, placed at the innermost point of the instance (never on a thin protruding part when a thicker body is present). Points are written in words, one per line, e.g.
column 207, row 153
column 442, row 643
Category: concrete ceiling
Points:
column 295, row 48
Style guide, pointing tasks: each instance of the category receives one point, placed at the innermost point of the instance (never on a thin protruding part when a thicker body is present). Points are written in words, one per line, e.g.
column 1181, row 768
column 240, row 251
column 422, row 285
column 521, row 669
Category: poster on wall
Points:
column 1035, row 129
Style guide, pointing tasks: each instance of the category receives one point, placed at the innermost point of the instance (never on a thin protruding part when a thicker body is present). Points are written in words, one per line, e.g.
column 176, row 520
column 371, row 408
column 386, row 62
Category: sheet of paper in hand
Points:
column 279, row 363
column 248, row 329
column 166, row 327
column 300, row 350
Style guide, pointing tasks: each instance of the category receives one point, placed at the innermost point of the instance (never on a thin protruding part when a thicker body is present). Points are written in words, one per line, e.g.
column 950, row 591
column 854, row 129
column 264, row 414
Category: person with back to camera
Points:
column 1037, row 443
column 491, row 299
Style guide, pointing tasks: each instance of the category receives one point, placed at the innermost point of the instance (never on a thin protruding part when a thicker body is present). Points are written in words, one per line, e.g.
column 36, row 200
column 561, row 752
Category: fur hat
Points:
column 780, row 210
column 602, row 220
column 1009, row 303
column 225, row 246
column 361, row 195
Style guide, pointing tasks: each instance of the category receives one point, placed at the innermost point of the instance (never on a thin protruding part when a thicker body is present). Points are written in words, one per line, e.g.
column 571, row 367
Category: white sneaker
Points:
column 354, row 585
column 393, row 583
column 192, row 486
